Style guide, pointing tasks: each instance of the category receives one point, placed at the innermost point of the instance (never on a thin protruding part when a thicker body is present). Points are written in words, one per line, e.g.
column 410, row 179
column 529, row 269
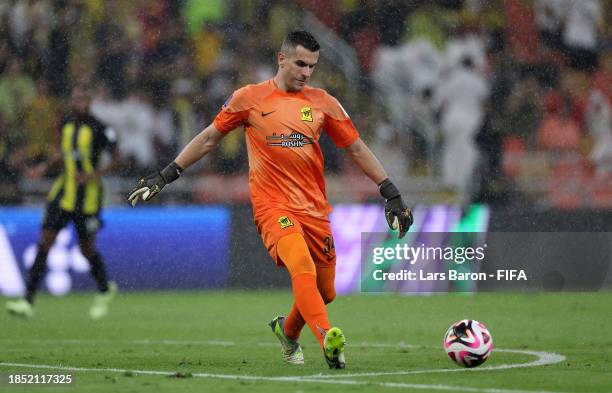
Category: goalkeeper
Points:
column 283, row 119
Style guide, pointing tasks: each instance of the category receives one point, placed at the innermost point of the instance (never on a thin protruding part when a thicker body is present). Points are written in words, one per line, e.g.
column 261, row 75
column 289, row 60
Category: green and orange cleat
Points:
column 291, row 349
column 333, row 348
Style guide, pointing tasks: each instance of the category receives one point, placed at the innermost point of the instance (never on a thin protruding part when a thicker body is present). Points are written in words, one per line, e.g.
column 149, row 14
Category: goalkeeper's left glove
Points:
column 149, row 186
column 396, row 212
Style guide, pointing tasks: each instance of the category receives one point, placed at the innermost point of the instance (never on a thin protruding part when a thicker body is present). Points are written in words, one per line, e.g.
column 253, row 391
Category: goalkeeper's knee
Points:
column 328, row 295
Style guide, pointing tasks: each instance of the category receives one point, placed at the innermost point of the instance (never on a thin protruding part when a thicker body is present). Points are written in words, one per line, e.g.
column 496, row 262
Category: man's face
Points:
column 80, row 100
column 296, row 67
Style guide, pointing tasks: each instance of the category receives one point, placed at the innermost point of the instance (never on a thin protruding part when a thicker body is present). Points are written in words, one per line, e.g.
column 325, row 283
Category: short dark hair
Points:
column 300, row 37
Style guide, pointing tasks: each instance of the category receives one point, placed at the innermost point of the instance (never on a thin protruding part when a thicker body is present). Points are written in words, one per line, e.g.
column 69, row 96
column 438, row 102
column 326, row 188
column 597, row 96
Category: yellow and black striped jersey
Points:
column 83, row 138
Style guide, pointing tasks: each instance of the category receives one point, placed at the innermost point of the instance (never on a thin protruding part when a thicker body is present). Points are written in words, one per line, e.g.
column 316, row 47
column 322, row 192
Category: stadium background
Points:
column 192, row 314
column 539, row 139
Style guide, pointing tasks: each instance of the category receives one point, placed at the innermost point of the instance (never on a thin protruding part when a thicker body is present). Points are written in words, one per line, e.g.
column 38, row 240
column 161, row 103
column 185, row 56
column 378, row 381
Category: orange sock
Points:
column 325, row 282
column 293, row 251
column 310, row 304
column 294, row 323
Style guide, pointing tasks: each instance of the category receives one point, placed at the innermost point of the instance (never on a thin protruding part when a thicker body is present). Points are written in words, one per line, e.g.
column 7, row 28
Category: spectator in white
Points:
column 402, row 72
column 423, row 122
column 21, row 21
column 133, row 120
column 549, row 17
column 29, row 23
column 580, row 34
column 599, row 124
column 458, row 48
column 422, row 62
column 391, row 81
column 460, row 98
column 598, row 115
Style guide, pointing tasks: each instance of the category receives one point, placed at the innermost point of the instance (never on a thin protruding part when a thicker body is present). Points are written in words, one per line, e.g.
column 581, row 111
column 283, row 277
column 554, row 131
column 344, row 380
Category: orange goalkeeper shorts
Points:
column 274, row 224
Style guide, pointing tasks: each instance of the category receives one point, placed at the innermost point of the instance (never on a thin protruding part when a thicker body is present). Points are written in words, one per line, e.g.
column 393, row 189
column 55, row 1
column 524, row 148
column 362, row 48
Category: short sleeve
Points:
column 234, row 112
column 105, row 136
column 111, row 138
column 338, row 124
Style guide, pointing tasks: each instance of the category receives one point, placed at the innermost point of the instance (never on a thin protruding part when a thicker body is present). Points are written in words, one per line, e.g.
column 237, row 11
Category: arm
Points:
column 343, row 133
column 38, row 171
column 115, row 162
column 396, row 212
column 197, row 148
column 361, row 154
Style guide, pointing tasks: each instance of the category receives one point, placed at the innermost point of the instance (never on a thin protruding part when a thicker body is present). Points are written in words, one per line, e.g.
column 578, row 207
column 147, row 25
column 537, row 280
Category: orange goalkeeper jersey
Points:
column 282, row 133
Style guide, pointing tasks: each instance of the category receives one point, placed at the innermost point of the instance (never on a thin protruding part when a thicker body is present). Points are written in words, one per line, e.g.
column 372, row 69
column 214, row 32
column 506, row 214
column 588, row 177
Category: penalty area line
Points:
column 543, row 359
column 279, row 379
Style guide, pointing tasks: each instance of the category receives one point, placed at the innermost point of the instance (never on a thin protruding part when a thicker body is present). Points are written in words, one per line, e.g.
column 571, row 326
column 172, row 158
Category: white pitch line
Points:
column 458, row 388
column 223, row 343
column 279, row 379
column 543, row 359
column 359, row 345
column 77, row 341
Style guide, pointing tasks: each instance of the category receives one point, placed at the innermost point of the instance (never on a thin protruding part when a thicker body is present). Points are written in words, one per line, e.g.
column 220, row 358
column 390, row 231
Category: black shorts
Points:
column 86, row 225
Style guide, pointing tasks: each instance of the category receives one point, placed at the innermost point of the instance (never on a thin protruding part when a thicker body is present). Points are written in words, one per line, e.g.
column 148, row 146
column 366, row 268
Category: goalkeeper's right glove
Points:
column 149, row 186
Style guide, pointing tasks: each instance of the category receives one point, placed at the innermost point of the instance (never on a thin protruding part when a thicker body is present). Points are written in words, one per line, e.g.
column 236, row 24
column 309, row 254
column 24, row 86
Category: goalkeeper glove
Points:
column 396, row 212
column 149, row 186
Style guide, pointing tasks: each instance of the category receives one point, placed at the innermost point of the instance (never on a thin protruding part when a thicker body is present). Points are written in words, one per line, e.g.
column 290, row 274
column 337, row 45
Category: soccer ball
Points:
column 468, row 343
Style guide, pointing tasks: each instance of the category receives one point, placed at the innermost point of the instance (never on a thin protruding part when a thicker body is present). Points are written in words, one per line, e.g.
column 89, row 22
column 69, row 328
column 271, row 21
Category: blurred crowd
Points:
column 498, row 93
column 476, row 93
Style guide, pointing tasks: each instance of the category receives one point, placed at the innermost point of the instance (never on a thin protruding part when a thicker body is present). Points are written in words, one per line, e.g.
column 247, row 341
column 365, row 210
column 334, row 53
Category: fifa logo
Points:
column 306, row 114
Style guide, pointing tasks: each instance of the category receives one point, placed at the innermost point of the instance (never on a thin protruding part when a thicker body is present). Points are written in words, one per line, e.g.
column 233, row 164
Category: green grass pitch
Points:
column 220, row 342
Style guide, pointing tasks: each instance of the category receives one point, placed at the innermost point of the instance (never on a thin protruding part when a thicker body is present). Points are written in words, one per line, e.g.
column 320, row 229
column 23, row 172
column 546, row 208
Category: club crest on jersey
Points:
column 295, row 139
column 285, row 222
column 306, row 114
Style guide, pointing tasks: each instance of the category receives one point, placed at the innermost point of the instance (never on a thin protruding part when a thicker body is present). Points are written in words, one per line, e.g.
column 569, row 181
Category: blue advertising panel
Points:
column 144, row 248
